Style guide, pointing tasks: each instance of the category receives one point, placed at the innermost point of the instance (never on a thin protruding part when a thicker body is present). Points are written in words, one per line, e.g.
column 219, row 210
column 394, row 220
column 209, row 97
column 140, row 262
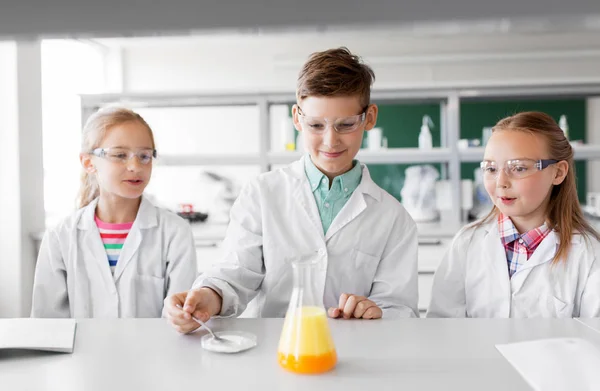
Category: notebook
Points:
column 53, row 335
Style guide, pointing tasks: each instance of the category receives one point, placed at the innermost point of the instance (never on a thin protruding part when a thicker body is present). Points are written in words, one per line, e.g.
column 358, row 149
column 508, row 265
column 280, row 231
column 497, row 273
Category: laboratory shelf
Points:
column 582, row 152
column 137, row 100
column 208, row 160
column 283, row 157
column 405, row 155
column 383, row 156
column 471, row 154
column 449, row 99
column 586, row 151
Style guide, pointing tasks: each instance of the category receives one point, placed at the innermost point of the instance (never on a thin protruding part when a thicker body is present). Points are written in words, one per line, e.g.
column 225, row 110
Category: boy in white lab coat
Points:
column 118, row 256
column 325, row 203
column 534, row 255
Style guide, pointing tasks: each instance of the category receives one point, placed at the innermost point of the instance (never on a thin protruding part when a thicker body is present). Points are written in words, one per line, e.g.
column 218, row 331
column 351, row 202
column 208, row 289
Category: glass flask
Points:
column 305, row 345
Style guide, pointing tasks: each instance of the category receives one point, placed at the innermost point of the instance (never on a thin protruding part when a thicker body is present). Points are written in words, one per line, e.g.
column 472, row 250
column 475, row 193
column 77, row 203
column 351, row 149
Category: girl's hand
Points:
column 353, row 306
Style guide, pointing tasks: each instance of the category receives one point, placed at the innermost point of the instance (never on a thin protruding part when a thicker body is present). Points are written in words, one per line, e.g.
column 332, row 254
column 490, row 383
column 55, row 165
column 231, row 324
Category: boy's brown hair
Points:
column 335, row 72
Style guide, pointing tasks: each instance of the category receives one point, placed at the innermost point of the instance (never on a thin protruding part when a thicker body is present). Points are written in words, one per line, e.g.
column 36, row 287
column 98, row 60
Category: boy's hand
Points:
column 353, row 306
column 201, row 303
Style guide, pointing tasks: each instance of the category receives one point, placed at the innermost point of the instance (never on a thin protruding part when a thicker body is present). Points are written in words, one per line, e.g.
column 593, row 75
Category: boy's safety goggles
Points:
column 317, row 125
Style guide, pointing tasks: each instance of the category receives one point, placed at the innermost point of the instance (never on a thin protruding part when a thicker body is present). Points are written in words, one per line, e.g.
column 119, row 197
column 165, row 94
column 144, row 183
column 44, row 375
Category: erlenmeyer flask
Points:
column 306, row 345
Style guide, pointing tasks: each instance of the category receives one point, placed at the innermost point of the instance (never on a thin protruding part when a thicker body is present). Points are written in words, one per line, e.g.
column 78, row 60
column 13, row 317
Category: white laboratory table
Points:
column 424, row 354
column 593, row 323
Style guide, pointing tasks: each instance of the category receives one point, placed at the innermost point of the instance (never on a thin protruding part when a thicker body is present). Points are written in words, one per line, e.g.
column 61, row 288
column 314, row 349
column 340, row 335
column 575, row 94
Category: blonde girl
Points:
column 117, row 255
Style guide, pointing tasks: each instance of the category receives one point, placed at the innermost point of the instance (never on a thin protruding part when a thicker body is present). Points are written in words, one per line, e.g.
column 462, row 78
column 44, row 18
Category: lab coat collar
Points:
column 356, row 204
column 146, row 216
column 354, row 207
column 304, row 195
column 366, row 185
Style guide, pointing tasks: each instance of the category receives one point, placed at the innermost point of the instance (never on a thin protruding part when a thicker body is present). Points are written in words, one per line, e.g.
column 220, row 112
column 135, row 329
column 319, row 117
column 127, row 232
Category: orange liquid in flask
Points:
column 306, row 345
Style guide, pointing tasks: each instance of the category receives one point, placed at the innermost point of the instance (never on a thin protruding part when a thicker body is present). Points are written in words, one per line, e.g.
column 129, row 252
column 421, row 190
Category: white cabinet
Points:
column 207, row 253
column 208, row 238
column 425, row 283
column 431, row 252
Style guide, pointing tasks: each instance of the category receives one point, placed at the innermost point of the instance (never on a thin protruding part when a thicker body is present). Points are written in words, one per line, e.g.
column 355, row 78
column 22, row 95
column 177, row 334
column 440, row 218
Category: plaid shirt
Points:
column 519, row 247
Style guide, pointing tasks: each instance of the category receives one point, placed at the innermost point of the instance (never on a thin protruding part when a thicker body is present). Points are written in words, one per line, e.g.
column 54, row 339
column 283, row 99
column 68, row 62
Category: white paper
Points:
column 556, row 364
column 54, row 335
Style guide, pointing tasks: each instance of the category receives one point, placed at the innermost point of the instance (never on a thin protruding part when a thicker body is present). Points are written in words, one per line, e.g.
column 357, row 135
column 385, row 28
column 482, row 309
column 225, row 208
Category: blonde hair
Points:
column 563, row 214
column 93, row 133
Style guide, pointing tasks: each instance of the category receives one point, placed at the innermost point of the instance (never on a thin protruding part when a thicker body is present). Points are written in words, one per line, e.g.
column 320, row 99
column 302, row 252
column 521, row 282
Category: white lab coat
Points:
column 73, row 278
column 473, row 280
column 370, row 248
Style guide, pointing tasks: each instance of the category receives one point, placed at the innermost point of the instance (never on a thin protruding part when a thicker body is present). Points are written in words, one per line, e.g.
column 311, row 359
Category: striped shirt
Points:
column 519, row 248
column 113, row 236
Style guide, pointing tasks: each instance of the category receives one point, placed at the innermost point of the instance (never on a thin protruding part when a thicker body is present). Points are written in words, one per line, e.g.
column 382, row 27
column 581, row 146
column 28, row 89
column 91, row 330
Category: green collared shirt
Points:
column 331, row 200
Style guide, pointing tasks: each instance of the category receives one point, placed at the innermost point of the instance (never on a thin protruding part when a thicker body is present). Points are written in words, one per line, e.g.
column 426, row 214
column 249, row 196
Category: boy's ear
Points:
column 295, row 118
column 86, row 162
column 371, row 118
column 562, row 169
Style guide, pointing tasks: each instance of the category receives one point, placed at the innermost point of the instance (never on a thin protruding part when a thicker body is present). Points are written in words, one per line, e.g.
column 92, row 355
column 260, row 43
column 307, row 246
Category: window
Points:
column 69, row 68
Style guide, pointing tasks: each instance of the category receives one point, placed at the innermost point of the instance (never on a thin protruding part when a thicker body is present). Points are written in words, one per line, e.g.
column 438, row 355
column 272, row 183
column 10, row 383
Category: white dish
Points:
column 239, row 341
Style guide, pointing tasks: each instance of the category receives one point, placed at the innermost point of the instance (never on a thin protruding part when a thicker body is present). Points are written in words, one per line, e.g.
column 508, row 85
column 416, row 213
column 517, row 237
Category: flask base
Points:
column 308, row 364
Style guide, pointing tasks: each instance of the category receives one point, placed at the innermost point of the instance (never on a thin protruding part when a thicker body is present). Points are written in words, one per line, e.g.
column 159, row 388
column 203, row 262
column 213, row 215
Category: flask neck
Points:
column 305, row 292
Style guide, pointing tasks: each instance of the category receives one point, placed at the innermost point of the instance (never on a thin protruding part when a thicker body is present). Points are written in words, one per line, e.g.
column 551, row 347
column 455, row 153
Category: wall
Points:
column 10, row 227
column 69, row 68
column 67, row 17
column 271, row 62
column 21, row 174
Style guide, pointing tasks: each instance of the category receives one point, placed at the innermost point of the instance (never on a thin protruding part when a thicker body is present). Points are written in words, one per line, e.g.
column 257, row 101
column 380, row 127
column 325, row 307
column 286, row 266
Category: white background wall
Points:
column 69, row 68
column 271, row 62
column 201, row 131
column 21, row 185
column 10, row 268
